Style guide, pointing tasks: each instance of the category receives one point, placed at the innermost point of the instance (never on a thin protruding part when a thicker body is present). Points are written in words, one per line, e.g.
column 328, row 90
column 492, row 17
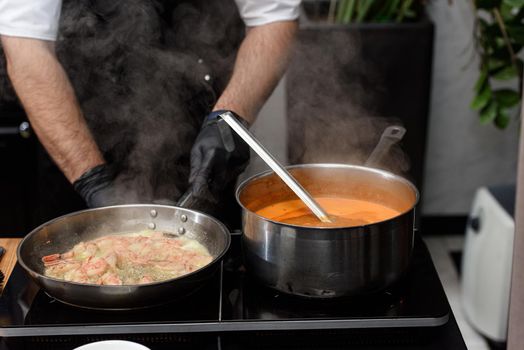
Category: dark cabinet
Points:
column 32, row 188
column 346, row 83
column 17, row 174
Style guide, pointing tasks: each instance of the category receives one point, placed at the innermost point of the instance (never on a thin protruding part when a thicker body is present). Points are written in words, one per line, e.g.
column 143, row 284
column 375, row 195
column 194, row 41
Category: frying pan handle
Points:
column 186, row 200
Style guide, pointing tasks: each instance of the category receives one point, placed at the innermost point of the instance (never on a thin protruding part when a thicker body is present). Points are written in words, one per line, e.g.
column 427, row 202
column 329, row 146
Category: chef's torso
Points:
column 145, row 72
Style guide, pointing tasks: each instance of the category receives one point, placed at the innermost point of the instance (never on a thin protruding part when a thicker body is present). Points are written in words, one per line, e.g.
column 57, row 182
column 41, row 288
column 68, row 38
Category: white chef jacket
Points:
column 38, row 19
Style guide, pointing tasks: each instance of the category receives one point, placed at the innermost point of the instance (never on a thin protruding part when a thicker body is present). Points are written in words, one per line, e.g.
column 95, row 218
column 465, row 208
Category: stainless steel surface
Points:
column 275, row 166
column 390, row 136
column 10, row 130
column 186, row 200
column 24, row 130
column 328, row 262
column 61, row 234
column 224, row 326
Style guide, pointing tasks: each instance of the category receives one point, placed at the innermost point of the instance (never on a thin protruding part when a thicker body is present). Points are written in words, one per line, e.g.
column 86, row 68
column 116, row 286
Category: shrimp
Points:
column 62, row 268
column 110, row 279
column 112, row 260
column 55, row 259
column 94, row 267
column 83, row 250
column 76, row 275
column 128, row 259
column 52, row 259
column 146, row 279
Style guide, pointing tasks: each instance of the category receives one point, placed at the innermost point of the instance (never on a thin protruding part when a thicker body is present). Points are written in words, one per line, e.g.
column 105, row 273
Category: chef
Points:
column 64, row 116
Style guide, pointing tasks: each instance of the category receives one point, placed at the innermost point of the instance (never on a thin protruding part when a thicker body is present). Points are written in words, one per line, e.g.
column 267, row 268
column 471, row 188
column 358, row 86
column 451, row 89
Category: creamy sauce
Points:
column 344, row 212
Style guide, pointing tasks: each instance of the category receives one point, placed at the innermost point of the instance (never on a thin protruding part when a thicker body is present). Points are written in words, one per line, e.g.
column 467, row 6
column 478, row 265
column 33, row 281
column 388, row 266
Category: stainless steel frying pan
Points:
column 61, row 234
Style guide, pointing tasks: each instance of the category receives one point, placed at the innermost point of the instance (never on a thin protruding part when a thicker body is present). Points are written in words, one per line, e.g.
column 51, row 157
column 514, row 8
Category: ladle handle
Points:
column 275, row 166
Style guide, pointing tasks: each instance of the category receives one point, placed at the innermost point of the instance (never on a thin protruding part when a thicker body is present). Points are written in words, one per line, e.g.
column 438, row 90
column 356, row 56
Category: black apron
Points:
column 145, row 73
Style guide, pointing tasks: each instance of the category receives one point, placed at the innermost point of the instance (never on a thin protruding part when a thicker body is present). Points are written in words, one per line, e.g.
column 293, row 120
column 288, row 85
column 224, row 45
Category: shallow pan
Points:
column 61, row 234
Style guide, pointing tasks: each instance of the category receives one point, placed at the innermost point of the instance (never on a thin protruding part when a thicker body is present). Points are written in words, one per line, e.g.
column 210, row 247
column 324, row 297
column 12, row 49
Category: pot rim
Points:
column 380, row 172
column 39, row 276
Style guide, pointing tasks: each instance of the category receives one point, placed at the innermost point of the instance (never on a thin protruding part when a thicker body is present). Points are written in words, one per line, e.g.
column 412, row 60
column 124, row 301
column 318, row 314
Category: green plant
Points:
column 357, row 11
column 348, row 11
column 499, row 35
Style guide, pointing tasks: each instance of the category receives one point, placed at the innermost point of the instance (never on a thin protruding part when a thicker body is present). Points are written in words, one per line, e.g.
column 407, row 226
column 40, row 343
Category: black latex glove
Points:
column 218, row 156
column 96, row 186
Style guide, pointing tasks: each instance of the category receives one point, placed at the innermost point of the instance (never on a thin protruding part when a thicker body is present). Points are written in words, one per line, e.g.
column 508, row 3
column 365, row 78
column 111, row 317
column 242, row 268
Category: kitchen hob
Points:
column 233, row 306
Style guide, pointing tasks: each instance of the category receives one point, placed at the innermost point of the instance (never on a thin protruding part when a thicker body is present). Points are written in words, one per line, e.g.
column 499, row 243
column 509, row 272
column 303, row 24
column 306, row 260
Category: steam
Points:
column 331, row 97
column 136, row 67
column 138, row 70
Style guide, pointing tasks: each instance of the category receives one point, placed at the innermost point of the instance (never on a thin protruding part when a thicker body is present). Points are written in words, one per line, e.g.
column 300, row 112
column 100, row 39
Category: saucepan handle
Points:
column 390, row 136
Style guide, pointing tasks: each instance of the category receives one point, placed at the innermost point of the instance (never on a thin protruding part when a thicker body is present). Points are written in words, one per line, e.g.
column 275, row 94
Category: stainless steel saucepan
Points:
column 61, row 234
column 326, row 262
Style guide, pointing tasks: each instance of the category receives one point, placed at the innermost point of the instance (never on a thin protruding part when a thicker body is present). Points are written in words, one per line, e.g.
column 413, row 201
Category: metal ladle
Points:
column 288, row 179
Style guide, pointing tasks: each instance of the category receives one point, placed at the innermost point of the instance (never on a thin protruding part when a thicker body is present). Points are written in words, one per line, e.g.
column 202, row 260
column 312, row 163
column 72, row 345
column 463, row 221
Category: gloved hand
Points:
column 218, row 156
column 96, row 186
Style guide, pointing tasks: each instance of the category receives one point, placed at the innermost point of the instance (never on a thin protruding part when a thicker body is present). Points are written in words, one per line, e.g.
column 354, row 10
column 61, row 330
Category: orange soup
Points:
column 343, row 212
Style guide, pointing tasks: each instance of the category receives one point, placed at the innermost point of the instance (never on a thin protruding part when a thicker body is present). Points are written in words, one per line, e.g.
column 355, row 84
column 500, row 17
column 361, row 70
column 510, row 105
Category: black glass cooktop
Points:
column 232, row 302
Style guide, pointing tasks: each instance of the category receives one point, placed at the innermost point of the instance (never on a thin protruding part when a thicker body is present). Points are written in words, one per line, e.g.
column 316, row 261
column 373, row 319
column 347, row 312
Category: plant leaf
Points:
column 402, row 11
column 348, row 11
column 341, row 9
column 393, row 5
column 482, row 79
column 489, row 113
column 500, row 53
column 363, row 9
column 516, row 32
column 506, row 98
column 495, row 64
column 410, row 14
column 514, row 3
column 487, row 4
column 482, row 98
column 506, row 73
column 519, row 16
column 506, row 11
column 502, row 119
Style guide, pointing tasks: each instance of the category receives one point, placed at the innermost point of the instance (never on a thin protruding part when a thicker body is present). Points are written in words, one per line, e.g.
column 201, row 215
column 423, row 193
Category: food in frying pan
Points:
column 344, row 212
column 135, row 258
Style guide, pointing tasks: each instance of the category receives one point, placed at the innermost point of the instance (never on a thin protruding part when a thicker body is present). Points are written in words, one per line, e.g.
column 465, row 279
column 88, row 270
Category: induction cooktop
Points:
column 232, row 302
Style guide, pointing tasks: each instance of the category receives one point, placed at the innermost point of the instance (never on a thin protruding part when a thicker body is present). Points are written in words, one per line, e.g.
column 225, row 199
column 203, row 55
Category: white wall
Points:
column 461, row 154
